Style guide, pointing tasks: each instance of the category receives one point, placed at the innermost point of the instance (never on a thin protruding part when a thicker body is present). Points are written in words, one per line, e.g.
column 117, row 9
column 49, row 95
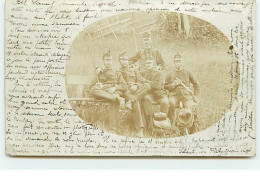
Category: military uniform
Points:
column 157, row 93
column 178, row 93
column 142, row 55
column 133, row 77
column 109, row 77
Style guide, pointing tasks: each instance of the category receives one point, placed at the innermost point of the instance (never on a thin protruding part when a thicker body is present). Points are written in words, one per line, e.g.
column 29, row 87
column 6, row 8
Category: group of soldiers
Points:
column 136, row 89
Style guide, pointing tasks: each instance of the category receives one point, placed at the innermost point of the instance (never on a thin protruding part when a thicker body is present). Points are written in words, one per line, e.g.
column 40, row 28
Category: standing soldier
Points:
column 136, row 90
column 148, row 51
column 178, row 84
column 158, row 94
column 109, row 86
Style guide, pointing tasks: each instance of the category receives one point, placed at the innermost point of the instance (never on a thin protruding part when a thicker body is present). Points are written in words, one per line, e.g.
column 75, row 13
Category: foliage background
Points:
column 204, row 53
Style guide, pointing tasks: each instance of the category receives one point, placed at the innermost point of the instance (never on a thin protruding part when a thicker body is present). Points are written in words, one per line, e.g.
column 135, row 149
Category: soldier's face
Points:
column 147, row 42
column 178, row 63
column 107, row 62
column 124, row 62
column 149, row 65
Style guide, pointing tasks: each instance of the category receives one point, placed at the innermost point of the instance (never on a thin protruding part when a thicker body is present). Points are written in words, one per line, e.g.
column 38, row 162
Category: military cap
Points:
column 107, row 55
column 122, row 55
column 177, row 57
column 146, row 35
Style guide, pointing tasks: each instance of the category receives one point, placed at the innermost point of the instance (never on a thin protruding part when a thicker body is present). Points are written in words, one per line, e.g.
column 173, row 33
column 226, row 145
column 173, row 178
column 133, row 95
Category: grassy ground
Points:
column 205, row 54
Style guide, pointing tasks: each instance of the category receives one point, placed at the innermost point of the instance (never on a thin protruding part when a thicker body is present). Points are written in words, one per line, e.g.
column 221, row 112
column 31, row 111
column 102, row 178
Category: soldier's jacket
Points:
column 155, row 79
column 142, row 55
column 186, row 77
column 110, row 77
column 131, row 76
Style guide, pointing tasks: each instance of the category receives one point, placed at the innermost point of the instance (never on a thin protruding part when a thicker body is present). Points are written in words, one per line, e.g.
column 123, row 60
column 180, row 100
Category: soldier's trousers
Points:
column 147, row 109
column 147, row 114
column 162, row 101
column 176, row 99
column 137, row 115
column 102, row 94
column 139, row 94
column 138, row 119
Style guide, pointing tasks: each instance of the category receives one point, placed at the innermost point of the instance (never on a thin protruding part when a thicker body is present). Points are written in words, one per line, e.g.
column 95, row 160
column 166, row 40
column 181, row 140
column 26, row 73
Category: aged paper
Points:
column 130, row 78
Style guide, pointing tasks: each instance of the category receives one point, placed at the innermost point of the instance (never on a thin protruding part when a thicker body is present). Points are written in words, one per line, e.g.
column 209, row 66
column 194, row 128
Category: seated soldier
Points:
column 136, row 90
column 109, row 86
column 178, row 84
column 157, row 94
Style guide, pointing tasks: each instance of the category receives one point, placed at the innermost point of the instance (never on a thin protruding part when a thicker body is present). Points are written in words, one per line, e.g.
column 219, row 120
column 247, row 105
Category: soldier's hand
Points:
column 99, row 85
column 98, row 70
column 177, row 82
column 112, row 90
column 134, row 87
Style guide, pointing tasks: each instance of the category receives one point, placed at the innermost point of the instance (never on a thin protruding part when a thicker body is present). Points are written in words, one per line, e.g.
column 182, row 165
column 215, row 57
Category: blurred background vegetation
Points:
column 203, row 46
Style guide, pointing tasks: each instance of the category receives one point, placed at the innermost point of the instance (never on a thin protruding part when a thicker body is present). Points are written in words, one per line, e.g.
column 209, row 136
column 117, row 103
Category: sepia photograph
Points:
column 151, row 74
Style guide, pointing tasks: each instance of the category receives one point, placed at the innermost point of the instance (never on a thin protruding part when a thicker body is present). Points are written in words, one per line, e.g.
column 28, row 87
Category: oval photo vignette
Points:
column 207, row 56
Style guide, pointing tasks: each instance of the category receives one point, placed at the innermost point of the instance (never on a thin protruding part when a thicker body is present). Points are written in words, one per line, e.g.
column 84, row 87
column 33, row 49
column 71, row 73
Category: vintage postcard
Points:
column 130, row 78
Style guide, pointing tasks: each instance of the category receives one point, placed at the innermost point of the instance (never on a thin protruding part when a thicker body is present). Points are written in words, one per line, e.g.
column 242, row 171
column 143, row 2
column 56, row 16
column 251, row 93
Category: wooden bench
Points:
column 96, row 111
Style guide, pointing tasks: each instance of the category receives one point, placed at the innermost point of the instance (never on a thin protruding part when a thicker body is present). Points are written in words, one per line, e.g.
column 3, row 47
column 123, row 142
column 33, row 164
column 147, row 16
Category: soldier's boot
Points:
column 141, row 92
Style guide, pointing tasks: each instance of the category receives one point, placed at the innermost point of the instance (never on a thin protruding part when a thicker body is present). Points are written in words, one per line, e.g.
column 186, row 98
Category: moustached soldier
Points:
column 178, row 83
